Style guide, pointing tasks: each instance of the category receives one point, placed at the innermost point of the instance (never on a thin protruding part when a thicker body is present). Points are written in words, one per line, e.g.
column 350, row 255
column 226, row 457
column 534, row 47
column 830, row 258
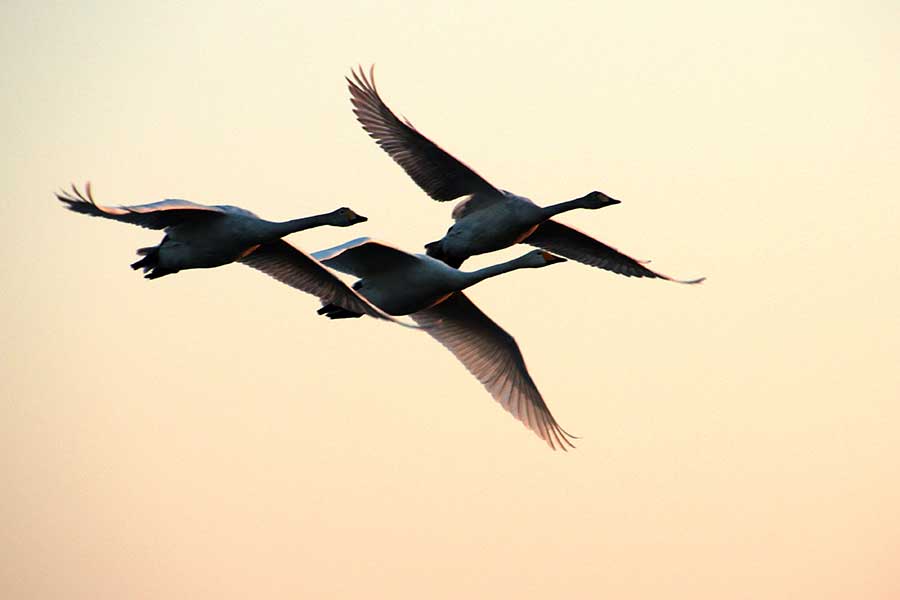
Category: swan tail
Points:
column 150, row 263
column 150, row 260
column 333, row 311
column 436, row 250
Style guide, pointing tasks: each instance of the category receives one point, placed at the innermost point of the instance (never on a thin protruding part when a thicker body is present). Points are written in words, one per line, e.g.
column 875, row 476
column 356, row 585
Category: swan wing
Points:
column 287, row 264
column 571, row 243
column 439, row 174
column 493, row 357
column 365, row 257
column 157, row 215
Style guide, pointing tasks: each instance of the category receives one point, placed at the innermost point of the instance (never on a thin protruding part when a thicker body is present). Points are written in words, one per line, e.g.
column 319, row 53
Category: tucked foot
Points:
column 333, row 311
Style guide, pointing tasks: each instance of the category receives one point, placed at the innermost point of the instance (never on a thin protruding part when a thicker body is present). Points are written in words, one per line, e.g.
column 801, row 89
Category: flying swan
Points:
column 489, row 218
column 200, row 236
column 429, row 291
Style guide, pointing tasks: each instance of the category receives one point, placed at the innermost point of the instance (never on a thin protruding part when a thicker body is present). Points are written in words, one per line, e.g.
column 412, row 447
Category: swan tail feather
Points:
column 150, row 260
column 333, row 311
column 436, row 250
column 150, row 263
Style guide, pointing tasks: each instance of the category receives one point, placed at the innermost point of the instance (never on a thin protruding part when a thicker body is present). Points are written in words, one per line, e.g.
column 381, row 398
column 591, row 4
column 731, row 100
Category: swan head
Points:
column 598, row 200
column 541, row 258
column 344, row 217
column 550, row 259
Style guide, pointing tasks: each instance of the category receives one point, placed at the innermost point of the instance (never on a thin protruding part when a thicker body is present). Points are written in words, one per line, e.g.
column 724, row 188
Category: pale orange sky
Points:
column 207, row 435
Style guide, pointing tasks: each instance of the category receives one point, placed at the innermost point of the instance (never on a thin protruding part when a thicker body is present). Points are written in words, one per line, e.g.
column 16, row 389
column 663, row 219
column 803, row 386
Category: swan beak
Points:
column 552, row 258
column 355, row 218
column 607, row 201
column 599, row 200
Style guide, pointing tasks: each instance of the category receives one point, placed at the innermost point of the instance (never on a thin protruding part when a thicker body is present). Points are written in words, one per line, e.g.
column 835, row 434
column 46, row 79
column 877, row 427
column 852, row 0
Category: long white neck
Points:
column 555, row 209
column 526, row 261
column 283, row 228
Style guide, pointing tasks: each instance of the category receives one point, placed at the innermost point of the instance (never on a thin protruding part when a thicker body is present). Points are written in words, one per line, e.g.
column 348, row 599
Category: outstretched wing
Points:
column 157, row 215
column 292, row 267
column 571, row 243
column 364, row 257
column 493, row 357
column 435, row 171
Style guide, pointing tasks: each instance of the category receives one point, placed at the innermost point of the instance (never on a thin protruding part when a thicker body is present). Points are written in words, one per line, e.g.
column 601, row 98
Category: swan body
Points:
column 200, row 236
column 489, row 219
column 400, row 283
column 485, row 223
column 423, row 284
column 429, row 291
column 496, row 224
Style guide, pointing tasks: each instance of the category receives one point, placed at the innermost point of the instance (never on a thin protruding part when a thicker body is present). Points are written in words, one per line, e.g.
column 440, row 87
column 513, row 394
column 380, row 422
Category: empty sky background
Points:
column 207, row 435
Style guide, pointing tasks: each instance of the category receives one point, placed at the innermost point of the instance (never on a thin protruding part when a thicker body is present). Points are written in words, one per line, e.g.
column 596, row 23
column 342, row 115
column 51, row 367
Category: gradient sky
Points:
column 207, row 435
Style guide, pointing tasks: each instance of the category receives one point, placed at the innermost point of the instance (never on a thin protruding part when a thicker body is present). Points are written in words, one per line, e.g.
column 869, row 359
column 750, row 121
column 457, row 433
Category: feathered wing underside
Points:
column 439, row 174
column 287, row 264
column 493, row 357
column 571, row 243
column 365, row 257
column 157, row 215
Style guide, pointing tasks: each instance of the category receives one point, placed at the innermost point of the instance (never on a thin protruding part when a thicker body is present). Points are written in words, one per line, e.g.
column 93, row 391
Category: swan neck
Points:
column 555, row 209
column 474, row 277
column 284, row 228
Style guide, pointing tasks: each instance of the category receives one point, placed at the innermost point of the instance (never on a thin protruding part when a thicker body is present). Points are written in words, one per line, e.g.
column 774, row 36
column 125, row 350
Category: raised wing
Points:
column 435, row 171
column 364, row 257
column 493, row 357
column 571, row 243
column 157, row 215
column 292, row 267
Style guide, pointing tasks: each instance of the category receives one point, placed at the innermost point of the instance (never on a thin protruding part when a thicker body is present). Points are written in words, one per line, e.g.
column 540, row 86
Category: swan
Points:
column 200, row 236
column 429, row 291
column 489, row 218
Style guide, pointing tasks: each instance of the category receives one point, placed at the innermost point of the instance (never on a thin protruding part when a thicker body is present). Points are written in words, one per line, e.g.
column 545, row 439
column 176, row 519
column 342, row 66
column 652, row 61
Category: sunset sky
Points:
column 207, row 435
